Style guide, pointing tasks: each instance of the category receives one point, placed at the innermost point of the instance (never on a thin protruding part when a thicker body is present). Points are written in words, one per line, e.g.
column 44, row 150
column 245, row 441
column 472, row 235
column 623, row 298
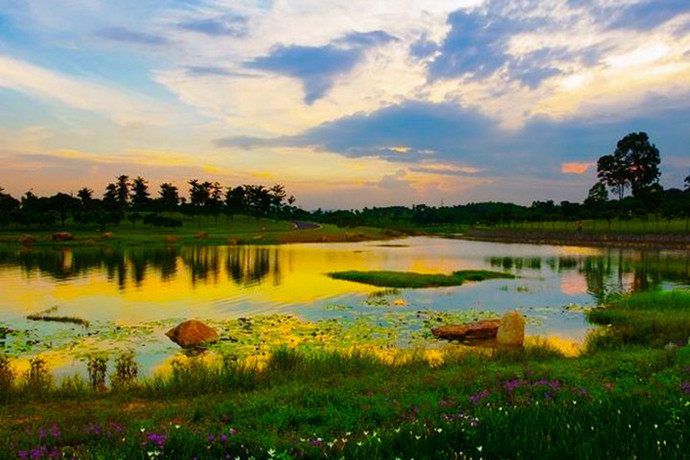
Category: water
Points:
column 144, row 285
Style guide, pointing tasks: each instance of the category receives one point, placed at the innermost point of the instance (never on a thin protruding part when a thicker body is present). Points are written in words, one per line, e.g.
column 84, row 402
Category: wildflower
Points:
column 479, row 448
column 223, row 437
column 479, row 396
column 271, row 452
column 232, row 432
column 315, row 442
column 55, row 431
column 211, row 438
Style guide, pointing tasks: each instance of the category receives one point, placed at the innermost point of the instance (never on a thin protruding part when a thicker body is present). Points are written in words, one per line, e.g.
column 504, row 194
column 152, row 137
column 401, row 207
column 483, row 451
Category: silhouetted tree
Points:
column 140, row 196
column 169, row 196
column 85, row 195
column 123, row 187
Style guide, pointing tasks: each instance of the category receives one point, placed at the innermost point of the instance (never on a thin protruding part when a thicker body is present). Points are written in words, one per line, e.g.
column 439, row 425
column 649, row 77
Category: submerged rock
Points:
column 192, row 334
column 511, row 330
column 486, row 329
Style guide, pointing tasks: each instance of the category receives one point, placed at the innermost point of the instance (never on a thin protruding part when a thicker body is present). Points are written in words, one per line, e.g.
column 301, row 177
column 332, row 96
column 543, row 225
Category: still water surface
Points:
column 138, row 285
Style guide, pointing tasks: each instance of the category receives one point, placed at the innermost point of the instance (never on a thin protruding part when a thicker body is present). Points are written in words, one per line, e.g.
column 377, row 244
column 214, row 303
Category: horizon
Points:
column 346, row 104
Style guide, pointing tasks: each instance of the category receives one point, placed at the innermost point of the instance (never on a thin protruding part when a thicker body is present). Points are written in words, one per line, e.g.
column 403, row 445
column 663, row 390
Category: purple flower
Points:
column 223, row 437
column 685, row 387
column 540, row 383
column 41, row 433
column 555, row 384
column 514, row 383
column 22, row 454
column 232, row 432
column 55, row 431
column 211, row 438
column 315, row 442
column 158, row 439
column 479, row 396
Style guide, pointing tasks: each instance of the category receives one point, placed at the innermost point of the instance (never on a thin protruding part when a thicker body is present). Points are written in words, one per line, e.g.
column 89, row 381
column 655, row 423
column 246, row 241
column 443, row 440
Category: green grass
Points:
column 530, row 404
column 652, row 225
column 222, row 230
column 651, row 319
column 627, row 400
column 391, row 279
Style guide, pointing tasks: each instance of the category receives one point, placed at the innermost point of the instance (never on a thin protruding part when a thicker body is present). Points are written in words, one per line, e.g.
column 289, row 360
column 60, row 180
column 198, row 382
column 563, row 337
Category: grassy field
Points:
column 391, row 279
column 198, row 230
column 652, row 225
column 625, row 397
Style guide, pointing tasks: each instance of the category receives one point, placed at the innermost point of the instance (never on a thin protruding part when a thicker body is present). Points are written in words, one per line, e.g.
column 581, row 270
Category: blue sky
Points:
column 348, row 103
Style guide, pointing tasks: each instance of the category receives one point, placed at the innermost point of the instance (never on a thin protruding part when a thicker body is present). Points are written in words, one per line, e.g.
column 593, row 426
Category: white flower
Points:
column 271, row 452
column 479, row 448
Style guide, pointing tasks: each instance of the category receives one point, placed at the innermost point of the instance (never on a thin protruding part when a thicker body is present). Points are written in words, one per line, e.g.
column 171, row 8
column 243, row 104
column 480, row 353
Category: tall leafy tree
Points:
column 85, row 195
column 687, row 184
column 123, row 190
column 634, row 164
column 140, row 195
column 170, row 197
column 641, row 159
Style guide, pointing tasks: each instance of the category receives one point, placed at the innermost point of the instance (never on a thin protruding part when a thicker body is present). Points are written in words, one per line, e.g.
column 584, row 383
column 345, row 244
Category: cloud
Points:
column 450, row 140
column 124, row 35
column 478, row 45
column 318, row 66
column 125, row 107
column 205, row 71
column 576, row 168
column 224, row 26
column 639, row 15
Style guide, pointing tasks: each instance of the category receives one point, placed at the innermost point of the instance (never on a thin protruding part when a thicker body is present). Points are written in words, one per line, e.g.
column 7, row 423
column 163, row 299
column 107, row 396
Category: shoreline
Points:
column 618, row 240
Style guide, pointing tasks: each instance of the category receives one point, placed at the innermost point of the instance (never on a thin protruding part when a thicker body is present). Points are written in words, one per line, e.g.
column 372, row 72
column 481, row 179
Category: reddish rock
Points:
column 192, row 334
column 172, row 239
column 27, row 239
column 486, row 329
column 62, row 236
column 108, row 235
column 201, row 236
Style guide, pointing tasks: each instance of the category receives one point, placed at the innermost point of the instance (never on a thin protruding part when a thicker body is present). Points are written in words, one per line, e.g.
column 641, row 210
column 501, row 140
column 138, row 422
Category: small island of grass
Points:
column 392, row 279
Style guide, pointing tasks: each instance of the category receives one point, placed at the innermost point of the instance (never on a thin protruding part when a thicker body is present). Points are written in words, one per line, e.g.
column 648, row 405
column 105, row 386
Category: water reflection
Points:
column 244, row 265
column 608, row 271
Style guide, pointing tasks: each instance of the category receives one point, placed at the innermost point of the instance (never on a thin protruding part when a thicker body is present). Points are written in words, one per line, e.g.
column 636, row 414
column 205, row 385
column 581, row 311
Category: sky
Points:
column 349, row 103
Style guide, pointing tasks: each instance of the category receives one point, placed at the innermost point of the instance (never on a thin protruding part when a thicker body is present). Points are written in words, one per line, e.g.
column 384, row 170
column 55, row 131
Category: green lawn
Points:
column 197, row 230
column 653, row 224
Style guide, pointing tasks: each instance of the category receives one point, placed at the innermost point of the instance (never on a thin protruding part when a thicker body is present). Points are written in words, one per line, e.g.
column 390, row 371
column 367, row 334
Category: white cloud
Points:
column 125, row 107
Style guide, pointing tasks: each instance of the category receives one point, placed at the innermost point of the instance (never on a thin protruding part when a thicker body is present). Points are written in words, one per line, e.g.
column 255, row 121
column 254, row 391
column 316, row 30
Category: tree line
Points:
column 631, row 173
column 132, row 199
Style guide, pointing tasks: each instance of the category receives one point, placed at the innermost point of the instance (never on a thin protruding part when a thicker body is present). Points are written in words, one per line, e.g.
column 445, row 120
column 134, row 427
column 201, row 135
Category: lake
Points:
column 140, row 292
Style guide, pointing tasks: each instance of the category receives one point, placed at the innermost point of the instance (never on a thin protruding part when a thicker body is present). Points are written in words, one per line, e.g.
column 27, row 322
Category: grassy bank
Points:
column 390, row 279
column 196, row 230
column 528, row 404
column 624, row 397
column 650, row 319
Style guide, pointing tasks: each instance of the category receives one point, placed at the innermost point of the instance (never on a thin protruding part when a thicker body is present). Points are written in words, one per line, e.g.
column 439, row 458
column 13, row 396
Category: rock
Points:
column 108, row 235
column 671, row 346
column 172, row 239
column 232, row 241
column 486, row 329
column 511, row 330
column 192, row 334
column 201, row 236
column 62, row 236
column 27, row 239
